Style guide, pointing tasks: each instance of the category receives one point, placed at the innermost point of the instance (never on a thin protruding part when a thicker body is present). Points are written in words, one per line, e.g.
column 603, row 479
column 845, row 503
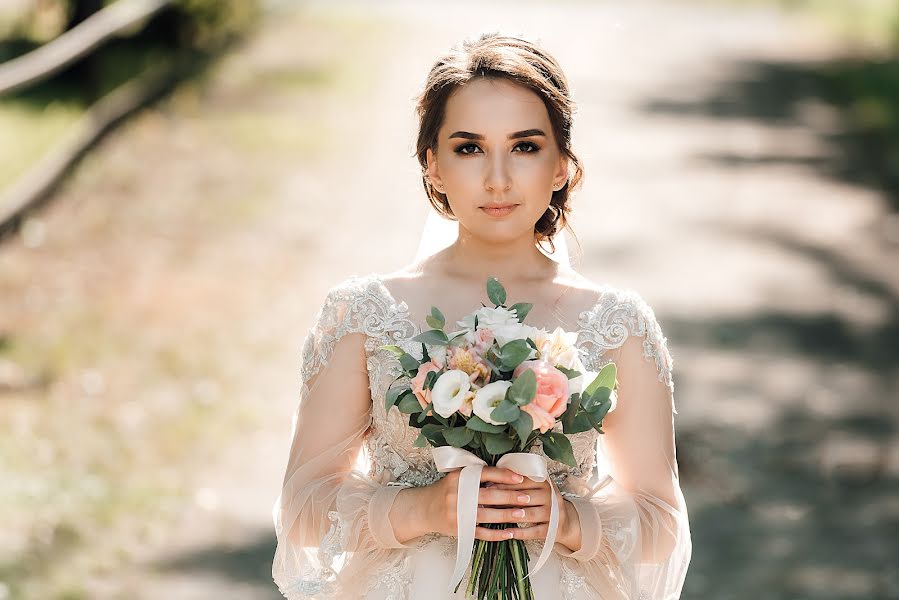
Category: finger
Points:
column 505, row 497
column 500, row 475
column 488, row 514
column 492, row 535
column 534, row 532
column 527, row 484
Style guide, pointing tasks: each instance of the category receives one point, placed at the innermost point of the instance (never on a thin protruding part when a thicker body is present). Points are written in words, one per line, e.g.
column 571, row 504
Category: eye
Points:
column 534, row 147
column 460, row 149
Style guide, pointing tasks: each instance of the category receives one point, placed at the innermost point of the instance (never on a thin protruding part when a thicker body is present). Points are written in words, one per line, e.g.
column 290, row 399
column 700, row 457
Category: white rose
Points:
column 487, row 398
column 489, row 317
column 514, row 331
column 558, row 347
column 449, row 392
column 437, row 354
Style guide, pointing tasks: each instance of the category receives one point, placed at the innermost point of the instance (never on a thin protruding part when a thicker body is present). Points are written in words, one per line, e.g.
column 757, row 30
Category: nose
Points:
column 497, row 177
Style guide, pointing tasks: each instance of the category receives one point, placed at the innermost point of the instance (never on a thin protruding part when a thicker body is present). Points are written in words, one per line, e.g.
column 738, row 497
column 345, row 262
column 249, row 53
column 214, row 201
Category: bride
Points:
column 363, row 513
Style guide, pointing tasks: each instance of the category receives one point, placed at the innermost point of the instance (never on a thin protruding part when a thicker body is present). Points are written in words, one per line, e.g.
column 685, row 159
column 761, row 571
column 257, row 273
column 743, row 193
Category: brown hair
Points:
column 494, row 55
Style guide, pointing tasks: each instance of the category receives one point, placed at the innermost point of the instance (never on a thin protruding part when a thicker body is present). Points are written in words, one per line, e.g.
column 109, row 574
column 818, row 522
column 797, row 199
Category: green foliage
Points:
column 523, row 389
column 496, row 292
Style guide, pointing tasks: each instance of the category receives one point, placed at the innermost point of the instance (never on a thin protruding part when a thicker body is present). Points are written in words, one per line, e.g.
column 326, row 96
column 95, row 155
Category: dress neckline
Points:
column 401, row 309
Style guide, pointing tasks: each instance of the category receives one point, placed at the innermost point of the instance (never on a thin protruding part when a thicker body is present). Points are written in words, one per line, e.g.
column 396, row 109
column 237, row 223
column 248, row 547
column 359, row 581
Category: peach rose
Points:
column 551, row 399
column 418, row 383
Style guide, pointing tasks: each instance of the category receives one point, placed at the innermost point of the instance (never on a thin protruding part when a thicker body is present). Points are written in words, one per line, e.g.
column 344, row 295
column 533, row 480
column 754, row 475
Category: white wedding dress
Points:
column 349, row 458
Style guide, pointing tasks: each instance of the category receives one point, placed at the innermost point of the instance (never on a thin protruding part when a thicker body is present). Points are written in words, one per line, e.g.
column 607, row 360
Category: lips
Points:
column 499, row 210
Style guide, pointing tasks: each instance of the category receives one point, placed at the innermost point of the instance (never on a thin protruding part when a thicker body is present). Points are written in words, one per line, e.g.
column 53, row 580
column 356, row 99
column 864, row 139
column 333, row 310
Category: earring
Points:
column 558, row 186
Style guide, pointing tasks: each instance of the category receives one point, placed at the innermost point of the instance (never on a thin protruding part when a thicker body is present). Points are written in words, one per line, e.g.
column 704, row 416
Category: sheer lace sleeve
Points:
column 636, row 541
column 331, row 520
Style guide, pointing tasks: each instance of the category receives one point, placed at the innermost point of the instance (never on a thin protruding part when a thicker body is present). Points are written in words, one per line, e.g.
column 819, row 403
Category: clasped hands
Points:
column 518, row 499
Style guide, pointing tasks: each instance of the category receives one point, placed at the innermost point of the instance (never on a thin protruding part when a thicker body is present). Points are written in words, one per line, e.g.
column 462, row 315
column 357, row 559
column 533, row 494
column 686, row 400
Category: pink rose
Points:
column 552, row 393
column 418, row 383
column 483, row 340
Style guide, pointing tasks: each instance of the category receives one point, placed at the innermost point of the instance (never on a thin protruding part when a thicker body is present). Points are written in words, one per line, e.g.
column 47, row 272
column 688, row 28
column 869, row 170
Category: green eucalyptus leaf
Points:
column 409, row 404
column 393, row 395
column 421, row 441
column 498, row 443
column 458, row 436
column 599, row 396
column 409, row 362
column 431, row 379
column 424, row 412
column 476, row 423
column 523, row 425
column 394, row 349
column 505, row 411
column 578, row 424
column 605, row 378
column 521, row 309
column 495, row 291
column 458, row 338
column 558, row 447
column 570, row 373
column 524, row 388
column 435, row 337
column 574, row 405
column 436, row 318
column 514, row 353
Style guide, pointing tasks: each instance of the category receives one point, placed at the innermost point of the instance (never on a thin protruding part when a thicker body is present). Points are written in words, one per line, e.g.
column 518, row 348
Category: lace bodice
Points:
column 332, row 518
column 373, row 310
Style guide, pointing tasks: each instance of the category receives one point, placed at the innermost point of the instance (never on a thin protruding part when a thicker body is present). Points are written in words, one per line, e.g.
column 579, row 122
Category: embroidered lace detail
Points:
column 319, row 583
column 395, row 577
column 617, row 315
column 572, row 580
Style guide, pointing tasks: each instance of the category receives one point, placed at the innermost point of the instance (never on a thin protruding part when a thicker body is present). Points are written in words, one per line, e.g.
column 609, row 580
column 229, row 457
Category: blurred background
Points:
column 182, row 181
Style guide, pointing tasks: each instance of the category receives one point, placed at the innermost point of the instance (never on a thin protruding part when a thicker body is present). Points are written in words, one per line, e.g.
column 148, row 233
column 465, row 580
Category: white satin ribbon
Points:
column 528, row 464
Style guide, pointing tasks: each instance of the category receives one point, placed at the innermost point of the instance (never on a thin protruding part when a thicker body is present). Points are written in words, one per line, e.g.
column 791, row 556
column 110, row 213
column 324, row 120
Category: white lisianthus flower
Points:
column 487, row 398
column 449, row 392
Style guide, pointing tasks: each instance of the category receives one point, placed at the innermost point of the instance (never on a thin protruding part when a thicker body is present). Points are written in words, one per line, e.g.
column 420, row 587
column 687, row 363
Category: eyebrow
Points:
column 512, row 136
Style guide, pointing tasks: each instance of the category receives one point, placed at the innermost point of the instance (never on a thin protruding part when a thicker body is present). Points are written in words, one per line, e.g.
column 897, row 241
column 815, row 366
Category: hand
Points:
column 441, row 497
column 536, row 507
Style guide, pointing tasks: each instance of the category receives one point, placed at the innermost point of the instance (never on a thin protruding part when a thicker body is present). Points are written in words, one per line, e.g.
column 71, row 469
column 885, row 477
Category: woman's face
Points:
column 496, row 148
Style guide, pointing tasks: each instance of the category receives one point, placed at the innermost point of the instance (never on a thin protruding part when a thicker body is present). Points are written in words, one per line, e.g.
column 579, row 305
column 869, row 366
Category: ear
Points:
column 433, row 173
column 561, row 174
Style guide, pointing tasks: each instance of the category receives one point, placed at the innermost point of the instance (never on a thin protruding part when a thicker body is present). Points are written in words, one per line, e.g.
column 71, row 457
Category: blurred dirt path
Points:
column 283, row 176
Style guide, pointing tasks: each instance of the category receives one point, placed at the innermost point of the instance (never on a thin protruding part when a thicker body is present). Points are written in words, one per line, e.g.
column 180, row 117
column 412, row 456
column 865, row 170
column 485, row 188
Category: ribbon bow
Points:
column 450, row 458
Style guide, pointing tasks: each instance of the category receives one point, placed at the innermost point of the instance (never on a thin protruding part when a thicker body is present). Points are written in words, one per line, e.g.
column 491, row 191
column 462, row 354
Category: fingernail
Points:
column 524, row 498
column 519, row 479
column 518, row 512
column 507, row 534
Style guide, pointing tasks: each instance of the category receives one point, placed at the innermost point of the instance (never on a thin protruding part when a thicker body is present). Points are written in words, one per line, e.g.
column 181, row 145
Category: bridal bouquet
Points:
column 483, row 395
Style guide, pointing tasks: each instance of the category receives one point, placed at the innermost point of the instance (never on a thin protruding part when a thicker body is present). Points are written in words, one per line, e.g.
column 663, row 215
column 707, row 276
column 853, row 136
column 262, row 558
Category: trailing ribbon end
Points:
column 450, row 458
